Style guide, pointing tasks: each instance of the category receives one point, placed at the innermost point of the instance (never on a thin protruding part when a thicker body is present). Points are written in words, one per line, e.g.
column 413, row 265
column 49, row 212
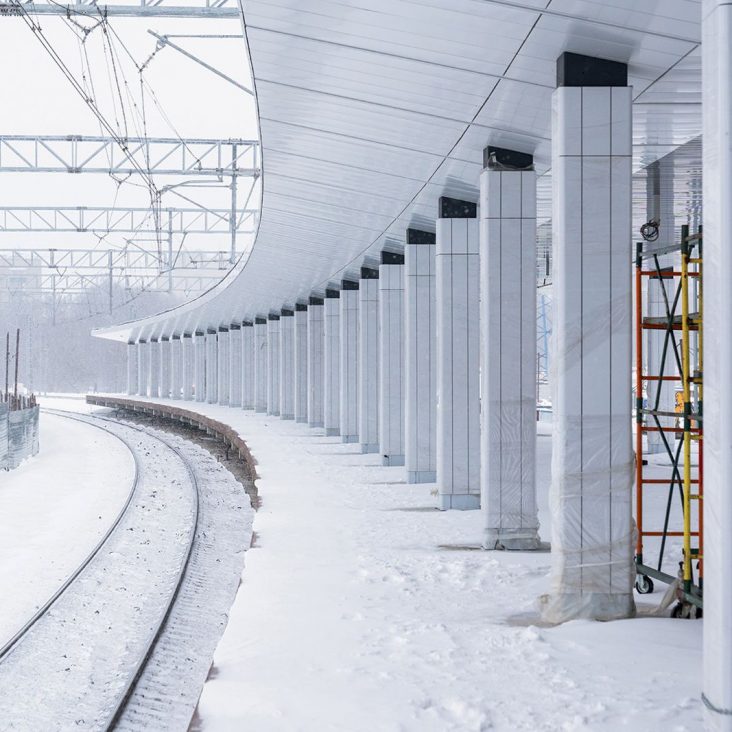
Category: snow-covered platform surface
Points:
column 363, row 608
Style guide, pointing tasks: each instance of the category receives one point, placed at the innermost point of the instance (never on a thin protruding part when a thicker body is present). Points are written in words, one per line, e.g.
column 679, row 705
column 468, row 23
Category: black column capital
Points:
column 332, row 294
column 286, row 312
column 315, row 300
column 367, row 273
column 349, row 285
column 388, row 257
column 454, row 208
column 575, row 69
column 273, row 317
column 499, row 158
column 300, row 307
column 260, row 321
column 417, row 236
column 246, row 324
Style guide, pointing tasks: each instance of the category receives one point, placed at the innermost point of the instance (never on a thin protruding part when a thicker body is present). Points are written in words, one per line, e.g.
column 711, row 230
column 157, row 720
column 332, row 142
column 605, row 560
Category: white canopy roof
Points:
column 370, row 110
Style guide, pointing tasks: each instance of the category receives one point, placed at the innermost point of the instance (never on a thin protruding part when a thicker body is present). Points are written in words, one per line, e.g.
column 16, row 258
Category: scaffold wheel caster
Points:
column 644, row 584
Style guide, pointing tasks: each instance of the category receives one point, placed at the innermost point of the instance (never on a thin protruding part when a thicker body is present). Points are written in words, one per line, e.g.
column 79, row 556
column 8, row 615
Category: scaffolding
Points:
column 680, row 467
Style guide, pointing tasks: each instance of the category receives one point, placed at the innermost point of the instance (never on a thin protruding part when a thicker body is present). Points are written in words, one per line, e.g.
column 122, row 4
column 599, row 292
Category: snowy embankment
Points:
column 362, row 608
column 54, row 508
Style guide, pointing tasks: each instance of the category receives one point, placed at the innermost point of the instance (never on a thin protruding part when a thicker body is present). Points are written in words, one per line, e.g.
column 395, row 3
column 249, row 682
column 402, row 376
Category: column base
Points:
column 273, row 414
column 301, row 420
column 332, row 432
column 392, row 459
column 459, row 501
column 515, row 540
column 287, row 416
column 349, row 438
column 260, row 410
column 421, row 476
column 369, row 448
column 316, row 425
column 560, row 608
column 231, row 404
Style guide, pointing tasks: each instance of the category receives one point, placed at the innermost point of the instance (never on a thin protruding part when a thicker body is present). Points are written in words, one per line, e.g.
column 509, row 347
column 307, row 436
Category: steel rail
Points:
column 20, row 634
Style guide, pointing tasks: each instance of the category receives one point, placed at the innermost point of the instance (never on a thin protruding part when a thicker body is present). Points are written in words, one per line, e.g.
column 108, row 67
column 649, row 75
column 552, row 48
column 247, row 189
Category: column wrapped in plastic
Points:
column 592, row 458
column 508, row 358
column 22, row 435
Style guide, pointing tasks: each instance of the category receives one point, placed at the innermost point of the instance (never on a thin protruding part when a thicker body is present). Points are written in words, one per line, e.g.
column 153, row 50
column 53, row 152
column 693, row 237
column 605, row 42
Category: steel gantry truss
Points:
column 122, row 220
column 222, row 159
column 216, row 9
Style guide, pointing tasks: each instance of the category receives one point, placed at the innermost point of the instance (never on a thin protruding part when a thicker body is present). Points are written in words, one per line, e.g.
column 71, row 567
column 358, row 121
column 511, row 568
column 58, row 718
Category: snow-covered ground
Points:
column 363, row 608
column 54, row 508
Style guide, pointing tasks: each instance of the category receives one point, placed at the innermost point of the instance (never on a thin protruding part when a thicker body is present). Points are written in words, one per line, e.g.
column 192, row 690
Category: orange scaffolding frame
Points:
column 684, row 481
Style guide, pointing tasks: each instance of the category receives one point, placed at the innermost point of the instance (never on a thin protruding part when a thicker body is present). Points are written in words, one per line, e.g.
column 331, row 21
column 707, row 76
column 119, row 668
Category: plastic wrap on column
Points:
column 164, row 386
column 234, row 365
column 287, row 364
column 508, row 357
column 187, row 369
column 199, row 364
column 301, row 363
column 212, row 352
column 592, row 457
column 420, row 429
column 273, row 365
column 175, row 367
column 132, row 348
column 349, row 361
column 331, row 372
column 391, row 359
column 368, row 360
column 142, row 367
column 458, row 360
column 153, row 374
column 222, row 367
column 247, row 365
column 316, row 361
column 260, row 365
column 717, row 182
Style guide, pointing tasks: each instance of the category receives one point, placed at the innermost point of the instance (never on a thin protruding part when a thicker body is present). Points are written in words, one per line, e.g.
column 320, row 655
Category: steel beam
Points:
column 221, row 10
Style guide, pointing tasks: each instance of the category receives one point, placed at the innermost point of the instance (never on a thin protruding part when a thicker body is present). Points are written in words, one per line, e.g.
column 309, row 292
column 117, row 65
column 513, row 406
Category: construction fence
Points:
column 19, row 438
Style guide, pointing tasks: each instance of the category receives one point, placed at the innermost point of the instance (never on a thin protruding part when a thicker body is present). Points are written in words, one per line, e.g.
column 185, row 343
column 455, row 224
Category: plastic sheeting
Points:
column 19, row 436
column 592, row 456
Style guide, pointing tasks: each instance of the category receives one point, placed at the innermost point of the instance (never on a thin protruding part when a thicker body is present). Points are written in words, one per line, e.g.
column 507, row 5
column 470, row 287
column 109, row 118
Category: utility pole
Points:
column 232, row 221
column 17, row 349
column 7, row 362
column 170, row 250
column 111, row 280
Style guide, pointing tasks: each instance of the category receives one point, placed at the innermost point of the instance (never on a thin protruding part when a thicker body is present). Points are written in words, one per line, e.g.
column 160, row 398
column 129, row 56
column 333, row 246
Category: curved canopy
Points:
column 370, row 110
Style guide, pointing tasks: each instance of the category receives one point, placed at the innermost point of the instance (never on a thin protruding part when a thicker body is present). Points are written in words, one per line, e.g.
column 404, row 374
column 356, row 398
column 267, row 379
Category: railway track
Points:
column 87, row 651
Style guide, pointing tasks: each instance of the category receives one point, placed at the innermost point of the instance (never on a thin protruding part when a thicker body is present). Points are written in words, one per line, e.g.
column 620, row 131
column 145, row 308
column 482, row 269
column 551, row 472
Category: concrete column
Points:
column 199, row 364
column 287, row 364
column 143, row 356
column 212, row 367
column 349, row 361
column 301, row 363
column 420, row 429
column 391, row 358
column 132, row 367
column 592, row 456
column 260, row 364
column 368, row 360
column 153, row 376
column 458, row 355
column 175, row 367
column 222, row 367
column 247, row 365
column 187, row 366
column 717, row 107
column 273, row 365
column 164, row 364
column 508, row 349
column 316, row 361
column 332, row 372
column 235, row 365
